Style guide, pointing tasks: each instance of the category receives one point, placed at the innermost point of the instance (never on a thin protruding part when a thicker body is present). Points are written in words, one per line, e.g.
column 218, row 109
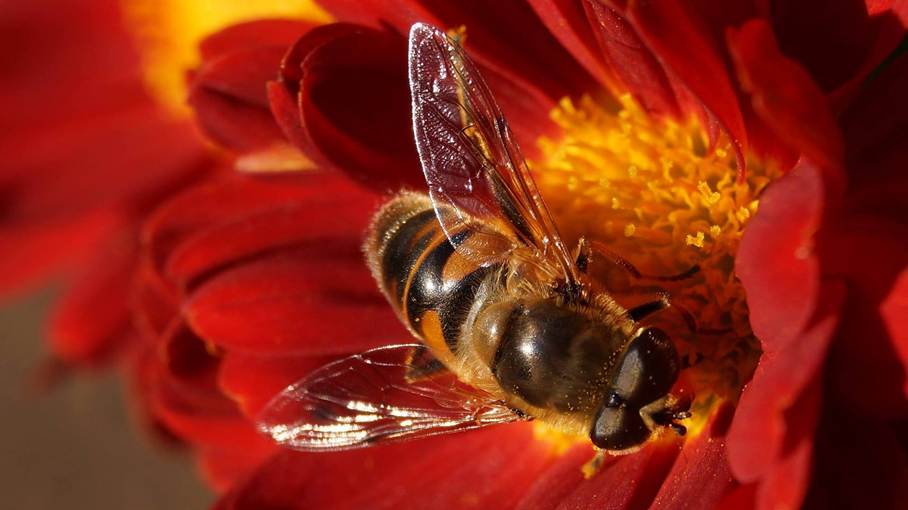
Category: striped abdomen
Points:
column 432, row 286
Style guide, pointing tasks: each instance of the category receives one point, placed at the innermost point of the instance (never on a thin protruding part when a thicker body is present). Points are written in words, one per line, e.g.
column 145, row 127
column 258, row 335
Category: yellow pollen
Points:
column 169, row 31
column 656, row 193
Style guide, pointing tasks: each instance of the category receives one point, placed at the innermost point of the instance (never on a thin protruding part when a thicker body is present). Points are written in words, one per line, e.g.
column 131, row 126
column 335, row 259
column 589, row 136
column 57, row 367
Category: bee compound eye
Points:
column 618, row 428
column 648, row 368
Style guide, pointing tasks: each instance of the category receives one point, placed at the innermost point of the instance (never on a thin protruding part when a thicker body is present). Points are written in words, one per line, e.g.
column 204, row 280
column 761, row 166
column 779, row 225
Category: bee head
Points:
column 636, row 399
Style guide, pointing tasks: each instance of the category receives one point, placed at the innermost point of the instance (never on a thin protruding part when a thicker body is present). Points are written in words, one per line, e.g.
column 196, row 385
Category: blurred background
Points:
column 75, row 445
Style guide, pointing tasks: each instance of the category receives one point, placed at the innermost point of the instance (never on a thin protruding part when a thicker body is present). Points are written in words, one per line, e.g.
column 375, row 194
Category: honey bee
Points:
column 510, row 325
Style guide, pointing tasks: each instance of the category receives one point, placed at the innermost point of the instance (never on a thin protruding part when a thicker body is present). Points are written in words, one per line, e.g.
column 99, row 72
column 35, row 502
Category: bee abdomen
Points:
column 430, row 284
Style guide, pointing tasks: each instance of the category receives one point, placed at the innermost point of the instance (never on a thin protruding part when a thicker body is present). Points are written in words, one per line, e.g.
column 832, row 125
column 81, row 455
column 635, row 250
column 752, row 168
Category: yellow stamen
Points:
column 656, row 193
column 169, row 31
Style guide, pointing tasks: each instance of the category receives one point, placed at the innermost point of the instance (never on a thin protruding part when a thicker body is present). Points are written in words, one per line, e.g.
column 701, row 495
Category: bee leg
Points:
column 640, row 311
column 583, row 256
column 593, row 465
column 693, row 325
column 600, row 249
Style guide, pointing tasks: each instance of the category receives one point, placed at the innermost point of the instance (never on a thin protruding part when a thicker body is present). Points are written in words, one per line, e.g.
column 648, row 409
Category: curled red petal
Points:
column 631, row 62
column 228, row 92
column 568, row 22
column 778, row 408
column 481, row 469
column 354, row 102
column 776, row 262
column 785, row 97
column 894, row 311
column 682, row 45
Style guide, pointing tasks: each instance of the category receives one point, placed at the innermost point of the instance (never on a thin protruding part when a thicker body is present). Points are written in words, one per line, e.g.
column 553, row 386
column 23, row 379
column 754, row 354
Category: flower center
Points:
column 169, row 31
column 657, row 196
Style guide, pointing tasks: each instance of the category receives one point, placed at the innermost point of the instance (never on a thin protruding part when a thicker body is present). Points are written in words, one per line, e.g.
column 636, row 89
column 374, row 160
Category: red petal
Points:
column 252, row 381
column 92, row 318
column 228, row 92
column 839, row 43
column 867, row 368
column 224, row 468
column 701, row 474
column 558, row 481
column 335, row 213
column 229, row 97
column 538, row 65
column 894, row 311
column 295, row 302
column 776, row 408
column 567, row 21
column 220, row 202
column 253, row 34
column 629, row 481
column 859, row 463
column 776, row 263
column 482, row 469
column 355, row 102
column 634, row 66
column 874, row 128
column 682, row 46
column 31, row 251
column 784, row 96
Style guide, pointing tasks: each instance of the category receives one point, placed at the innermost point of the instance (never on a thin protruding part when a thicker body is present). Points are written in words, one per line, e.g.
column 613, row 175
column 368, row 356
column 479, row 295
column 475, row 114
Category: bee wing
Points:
column 472, row 165
column 368, row 399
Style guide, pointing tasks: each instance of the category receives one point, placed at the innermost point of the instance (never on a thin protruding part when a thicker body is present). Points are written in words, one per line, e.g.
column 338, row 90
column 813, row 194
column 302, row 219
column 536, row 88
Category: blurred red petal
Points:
column 779, row 407
column 701, row 475
column 224, row 468
column 481, row 469
column 784, row 96
column 31, row 251
column 776, row 262
column 92, row 317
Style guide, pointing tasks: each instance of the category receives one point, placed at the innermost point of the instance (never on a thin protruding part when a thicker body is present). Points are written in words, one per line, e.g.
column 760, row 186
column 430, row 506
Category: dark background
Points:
column 76, row 447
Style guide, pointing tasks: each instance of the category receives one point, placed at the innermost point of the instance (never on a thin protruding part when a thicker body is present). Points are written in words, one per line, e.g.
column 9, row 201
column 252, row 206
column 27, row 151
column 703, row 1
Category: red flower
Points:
column 78, row 171
column 755, row 76
column 653, row 126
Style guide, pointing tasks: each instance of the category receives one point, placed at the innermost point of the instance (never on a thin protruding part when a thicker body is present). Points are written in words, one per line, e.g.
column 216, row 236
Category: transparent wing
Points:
column 367, row 399
column 472, row 165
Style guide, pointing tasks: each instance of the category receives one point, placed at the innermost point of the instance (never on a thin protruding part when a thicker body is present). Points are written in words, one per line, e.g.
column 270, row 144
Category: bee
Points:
column 510, row 325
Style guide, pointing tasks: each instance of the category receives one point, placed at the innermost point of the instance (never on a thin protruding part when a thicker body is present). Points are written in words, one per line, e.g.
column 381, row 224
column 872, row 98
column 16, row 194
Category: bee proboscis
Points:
column 510, row 327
